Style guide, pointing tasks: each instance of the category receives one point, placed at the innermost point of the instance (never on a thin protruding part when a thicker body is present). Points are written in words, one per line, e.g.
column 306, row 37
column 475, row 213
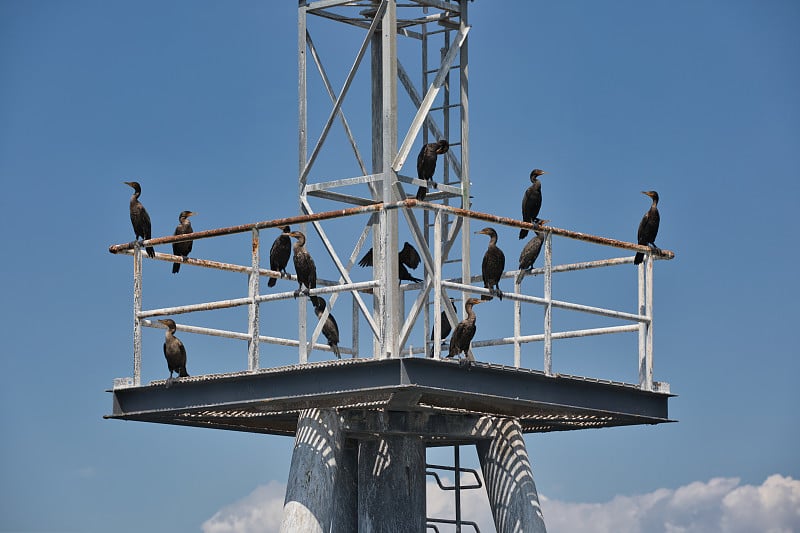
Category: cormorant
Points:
column 530, row 252
column 182, row 248
column 464, row 332
column 304, row 265
column 139, row 217
column 330, row 329
column 279, row 254
column 494, row 262
column 407, row 257
column 426, row 163
column 446, row 327
column 174, row 351
column 648, row 227
column 532, row 201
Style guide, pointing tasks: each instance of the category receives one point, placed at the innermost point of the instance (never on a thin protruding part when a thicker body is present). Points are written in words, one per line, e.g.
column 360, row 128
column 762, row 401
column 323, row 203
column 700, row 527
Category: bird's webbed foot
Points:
column 497, row 292
column 296, row 294
column 168, row 384
column 432, row 184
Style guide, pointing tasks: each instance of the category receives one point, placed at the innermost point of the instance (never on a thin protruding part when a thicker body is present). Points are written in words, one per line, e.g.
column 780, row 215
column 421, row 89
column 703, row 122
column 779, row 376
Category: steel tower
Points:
column 361, row 426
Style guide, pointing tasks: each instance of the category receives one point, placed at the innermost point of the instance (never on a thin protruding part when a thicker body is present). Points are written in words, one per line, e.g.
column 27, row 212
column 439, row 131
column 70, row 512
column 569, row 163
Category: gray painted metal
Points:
column 315, row 473
column 391, row 483
column 509, row 481
column 268, row 401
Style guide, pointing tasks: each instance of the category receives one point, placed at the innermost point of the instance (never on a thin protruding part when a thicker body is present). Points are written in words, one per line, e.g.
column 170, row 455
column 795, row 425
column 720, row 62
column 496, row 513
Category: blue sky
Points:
column 198, row 101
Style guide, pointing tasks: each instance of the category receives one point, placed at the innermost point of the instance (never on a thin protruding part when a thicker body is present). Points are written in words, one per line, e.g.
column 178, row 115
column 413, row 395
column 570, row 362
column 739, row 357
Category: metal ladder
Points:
column 457, row 487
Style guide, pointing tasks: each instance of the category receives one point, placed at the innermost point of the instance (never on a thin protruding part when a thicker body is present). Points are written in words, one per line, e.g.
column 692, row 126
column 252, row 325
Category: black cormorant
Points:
column 446, row 327
column 494, row 262
column 532, row 201
column 139, row 217
column 530, row 252
column 174, row 351
column 279, row 254
column 426, row 163
column 304, row 265
column 182, row 248
column 330, row 329
column 648, row 227
column 465, row 330
column 407, row 257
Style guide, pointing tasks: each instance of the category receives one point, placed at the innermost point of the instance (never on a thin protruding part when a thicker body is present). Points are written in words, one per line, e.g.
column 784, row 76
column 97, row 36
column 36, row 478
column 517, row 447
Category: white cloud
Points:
column 720, row 505
column 260, row 511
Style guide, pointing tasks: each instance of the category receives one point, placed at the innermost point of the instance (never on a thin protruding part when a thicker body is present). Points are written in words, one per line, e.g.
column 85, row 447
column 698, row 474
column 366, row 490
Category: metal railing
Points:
column 641, row 321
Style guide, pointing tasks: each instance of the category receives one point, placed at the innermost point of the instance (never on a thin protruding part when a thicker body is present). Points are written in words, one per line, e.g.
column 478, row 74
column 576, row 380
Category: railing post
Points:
column 548, row 308
column 253, row 292
column 642, row 328
column 517, row 323
column 137, row 308
column 436, row 348
column 649, row 312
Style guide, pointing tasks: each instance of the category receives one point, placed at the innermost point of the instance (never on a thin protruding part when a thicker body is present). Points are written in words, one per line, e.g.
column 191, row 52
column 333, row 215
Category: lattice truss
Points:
column 440, row 31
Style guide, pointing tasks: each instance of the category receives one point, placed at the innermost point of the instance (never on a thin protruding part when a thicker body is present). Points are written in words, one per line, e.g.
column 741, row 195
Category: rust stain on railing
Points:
column 326, row 215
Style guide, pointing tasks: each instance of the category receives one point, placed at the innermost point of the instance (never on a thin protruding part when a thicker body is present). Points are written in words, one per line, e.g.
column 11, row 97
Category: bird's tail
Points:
column 523, row 233
column 421, row 192
column 335, row 348
column 176, row 267
column 639, row 258
column 272, row 282
column 150, row 251
column 183, row 373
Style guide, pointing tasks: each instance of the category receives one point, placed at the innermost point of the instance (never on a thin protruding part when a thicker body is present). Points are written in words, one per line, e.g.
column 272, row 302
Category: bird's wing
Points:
column 409, row 256
column 366, row 260
column 183, row 353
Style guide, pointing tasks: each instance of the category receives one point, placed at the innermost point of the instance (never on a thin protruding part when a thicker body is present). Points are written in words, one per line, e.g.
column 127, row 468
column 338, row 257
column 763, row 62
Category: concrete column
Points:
column 317, row 474
column 509, row 480
column 391, row 485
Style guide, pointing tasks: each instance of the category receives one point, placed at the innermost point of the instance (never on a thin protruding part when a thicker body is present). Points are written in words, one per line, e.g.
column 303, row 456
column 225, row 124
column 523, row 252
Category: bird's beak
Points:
column 163, row 322
column 646, row 193
column 191, row 214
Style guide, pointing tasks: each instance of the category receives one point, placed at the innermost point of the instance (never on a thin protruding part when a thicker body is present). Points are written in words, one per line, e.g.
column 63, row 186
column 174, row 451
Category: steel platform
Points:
column 416, row 389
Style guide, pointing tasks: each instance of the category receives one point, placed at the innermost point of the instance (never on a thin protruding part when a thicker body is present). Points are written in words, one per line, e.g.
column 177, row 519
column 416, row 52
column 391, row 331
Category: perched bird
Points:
column 426, row 163
column 279, row 254
column 330, row 329
column 407, row 257
column 648, row 227
column 532, row 201
column 494, row 262
column 445, row 325
column 174, row 351
column 303, row 264
column 139, row 217
column 531, row 250
column 182, row 248
column 465, row 330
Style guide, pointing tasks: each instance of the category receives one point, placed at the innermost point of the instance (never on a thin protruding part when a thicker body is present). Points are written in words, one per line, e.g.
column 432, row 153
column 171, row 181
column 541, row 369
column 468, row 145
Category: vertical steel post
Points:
column 548, row 308
column 355, row 328
column 253, row 307
column 302, row 151
column 390, row 293
column 517, row 323
column 649, row 312
column 376, row 69
column 137, row 308
column 465, row 173
column 457, row 483
column 642, row 328
column 437, row 285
